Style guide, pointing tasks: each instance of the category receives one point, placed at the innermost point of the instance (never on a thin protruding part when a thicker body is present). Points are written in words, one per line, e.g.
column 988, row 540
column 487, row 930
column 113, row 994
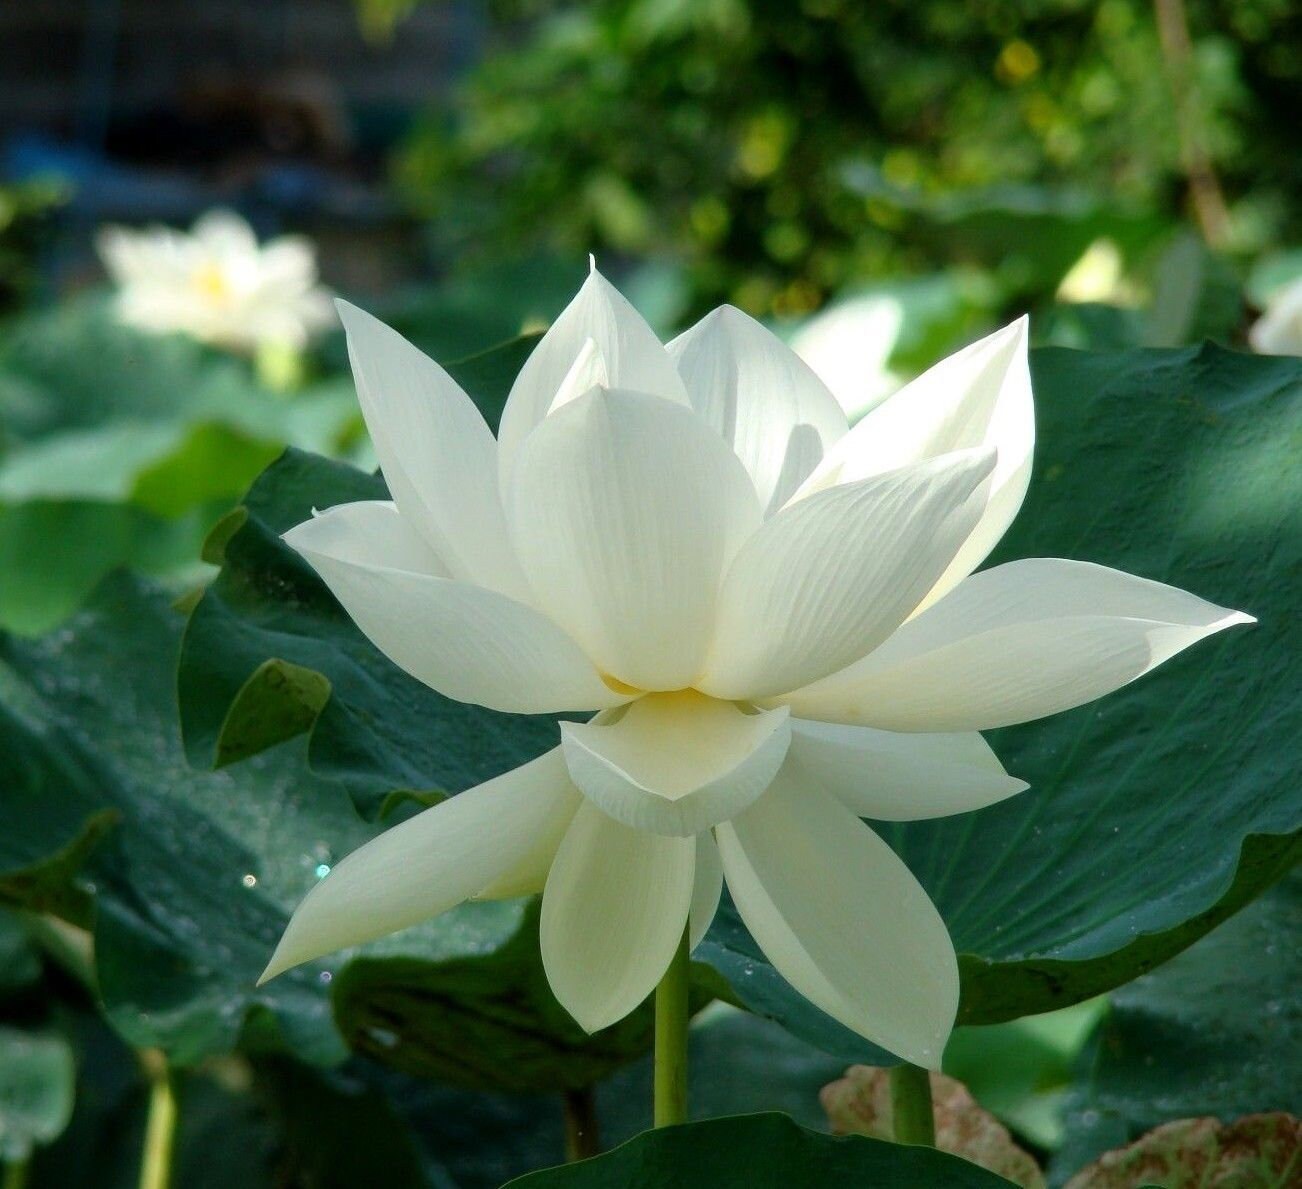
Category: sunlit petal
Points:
column 631, row 355
column 842, row 919
column 428, row 864
column 707, row 889
column 1015, row 643
column 613, row 912
column 832, row 575
column 892, row 776
column 761, row 397
column 980, row 396
column 467, row 642
column 437, row 454
column 676, row 763
column 625, row 510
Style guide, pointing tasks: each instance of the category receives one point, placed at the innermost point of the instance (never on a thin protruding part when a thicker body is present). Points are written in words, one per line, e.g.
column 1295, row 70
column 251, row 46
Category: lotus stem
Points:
column 16, row 1174
column 671, row 1040
column 582, row 1132
column 160, row 1126
column 911, row 1111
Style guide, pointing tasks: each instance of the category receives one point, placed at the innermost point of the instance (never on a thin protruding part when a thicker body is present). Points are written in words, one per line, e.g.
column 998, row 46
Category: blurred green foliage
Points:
column 781, row 150
column 26, row 212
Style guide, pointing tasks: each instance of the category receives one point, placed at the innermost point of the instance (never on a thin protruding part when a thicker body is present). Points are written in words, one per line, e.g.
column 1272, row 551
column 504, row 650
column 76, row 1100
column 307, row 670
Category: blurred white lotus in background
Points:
column 217, row 284
column 849, row 346
column 1279, row 330
column 774, row 616
column 1098, row 276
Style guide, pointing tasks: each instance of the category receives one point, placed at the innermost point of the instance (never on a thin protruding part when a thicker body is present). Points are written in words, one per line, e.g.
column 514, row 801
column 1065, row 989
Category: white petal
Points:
column 428, row 864
column 1014, row 643
column 896, row 777
column 842, row 919
column 763, row 399
column 980, row 396
column 675, row 763
column 707, row 888
column 625, row 510
column 226, row 233
column 437, row 454
column 1279, row 330
column 832, row 575
column 289, row 263
column 588, row 371
column 527, row 876
column 849, row 346
column 613, row 913
column 367, row 533
column 632, row 356
column 469, row 643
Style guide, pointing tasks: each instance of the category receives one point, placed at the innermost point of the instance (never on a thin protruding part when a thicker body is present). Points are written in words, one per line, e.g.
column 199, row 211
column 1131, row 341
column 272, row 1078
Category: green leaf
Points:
column 770, row 1149
column 337, row 1131
column 121, row 448
column 54, row 552
column 1029, row 235
column 1217, row 1031
column 36, row 1082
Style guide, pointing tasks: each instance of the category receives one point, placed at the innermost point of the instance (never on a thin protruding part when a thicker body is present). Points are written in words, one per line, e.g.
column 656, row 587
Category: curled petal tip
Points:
column 273, row 969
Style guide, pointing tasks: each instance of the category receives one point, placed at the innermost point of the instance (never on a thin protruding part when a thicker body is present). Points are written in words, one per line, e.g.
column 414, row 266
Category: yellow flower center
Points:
column 211, row 281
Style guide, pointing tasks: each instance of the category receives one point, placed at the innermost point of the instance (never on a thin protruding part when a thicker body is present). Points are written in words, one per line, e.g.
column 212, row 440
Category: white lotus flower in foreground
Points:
column 216, row 283
column 1279, row 330
column 775, row 619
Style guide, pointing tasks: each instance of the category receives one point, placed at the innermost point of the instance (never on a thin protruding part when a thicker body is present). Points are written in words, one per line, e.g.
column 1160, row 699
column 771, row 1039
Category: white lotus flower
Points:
column 849, row 347
column 774, row 617
column 1279, row 330
column 216, row 283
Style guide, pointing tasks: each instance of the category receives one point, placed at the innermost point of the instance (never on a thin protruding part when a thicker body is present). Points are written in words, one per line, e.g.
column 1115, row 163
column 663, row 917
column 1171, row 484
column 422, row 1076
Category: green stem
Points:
column 160, row 1126
column 914, row 1120
column 671, row 1040
column 582, row 1137
column 16, row 1174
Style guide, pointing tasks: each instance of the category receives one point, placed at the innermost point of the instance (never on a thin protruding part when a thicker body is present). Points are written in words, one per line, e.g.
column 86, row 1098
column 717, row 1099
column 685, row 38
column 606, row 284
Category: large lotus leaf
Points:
column 1153, row 814
column 194, row 873
column 1216, row 1032
column 770, row 1149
